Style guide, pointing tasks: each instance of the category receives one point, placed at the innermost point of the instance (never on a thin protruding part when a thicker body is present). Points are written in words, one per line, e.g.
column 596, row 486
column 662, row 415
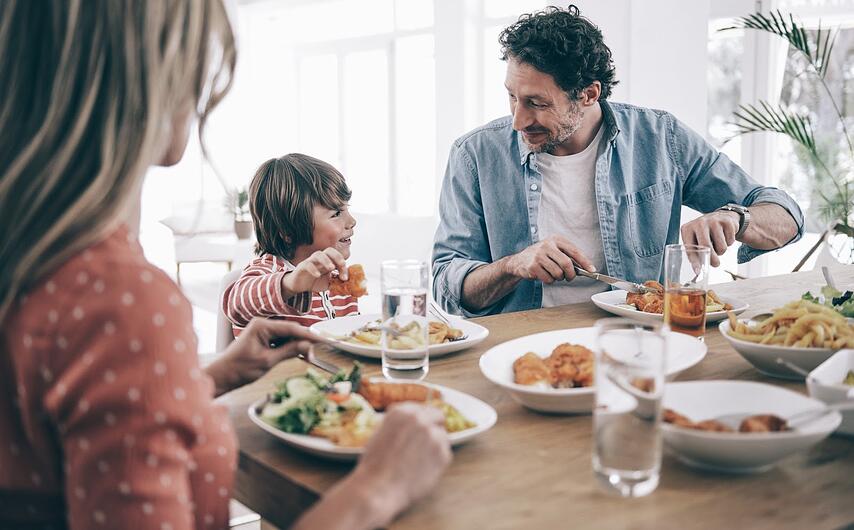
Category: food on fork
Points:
column 648, row 302
column 355, row 286
column 568, row 366
column 800, row 324
column 654, row 302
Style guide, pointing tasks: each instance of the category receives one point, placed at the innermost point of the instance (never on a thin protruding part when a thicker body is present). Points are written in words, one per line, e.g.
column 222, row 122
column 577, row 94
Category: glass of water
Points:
column 630, row 369
column 405, row 328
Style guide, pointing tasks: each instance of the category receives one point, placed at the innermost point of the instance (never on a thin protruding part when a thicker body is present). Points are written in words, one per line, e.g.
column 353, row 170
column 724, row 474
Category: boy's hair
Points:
column 282, row 197
column 563, row 44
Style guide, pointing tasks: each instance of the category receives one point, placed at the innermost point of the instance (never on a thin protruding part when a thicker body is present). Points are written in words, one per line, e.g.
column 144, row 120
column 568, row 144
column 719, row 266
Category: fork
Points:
column 434, row 310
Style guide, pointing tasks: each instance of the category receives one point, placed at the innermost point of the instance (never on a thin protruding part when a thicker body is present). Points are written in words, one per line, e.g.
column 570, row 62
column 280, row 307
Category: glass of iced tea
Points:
column 686, row 280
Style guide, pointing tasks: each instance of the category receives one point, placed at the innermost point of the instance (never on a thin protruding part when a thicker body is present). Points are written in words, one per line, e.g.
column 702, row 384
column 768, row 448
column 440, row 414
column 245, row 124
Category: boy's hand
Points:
column 312, row 274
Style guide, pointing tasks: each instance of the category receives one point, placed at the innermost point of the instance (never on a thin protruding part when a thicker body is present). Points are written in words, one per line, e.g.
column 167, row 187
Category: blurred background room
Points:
column 381, row 88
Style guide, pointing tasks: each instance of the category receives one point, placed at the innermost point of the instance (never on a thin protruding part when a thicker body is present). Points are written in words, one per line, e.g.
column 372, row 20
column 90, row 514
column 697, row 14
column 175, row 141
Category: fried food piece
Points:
column 671, row 416
column 763, row 423
column 530, row 369
column 381, row 395
column 648, row 302
column 712, row 426
column 438, row 331
column 355, row 286
column 571, row 366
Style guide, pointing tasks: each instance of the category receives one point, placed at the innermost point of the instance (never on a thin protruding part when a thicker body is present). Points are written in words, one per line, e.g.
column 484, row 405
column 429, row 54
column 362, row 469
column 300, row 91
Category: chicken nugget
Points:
column 763, row 423
column 381, row 395
column 355, row 286
column 530, row 369
column 571, row 365
column 671, row 416
column 712, row 426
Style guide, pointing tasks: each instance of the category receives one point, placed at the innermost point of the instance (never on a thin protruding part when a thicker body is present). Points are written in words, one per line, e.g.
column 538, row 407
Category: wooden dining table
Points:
column 533, row 470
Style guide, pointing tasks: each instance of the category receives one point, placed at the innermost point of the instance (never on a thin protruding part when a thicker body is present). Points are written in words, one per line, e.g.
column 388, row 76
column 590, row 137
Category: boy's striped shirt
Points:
column 258, row 293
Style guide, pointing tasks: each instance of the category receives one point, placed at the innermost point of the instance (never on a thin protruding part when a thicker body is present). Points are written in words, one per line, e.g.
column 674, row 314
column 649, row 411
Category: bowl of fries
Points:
column 802, row 333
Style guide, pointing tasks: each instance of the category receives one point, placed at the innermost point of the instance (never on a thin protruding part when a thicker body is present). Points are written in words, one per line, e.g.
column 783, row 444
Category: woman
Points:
column 106, row 419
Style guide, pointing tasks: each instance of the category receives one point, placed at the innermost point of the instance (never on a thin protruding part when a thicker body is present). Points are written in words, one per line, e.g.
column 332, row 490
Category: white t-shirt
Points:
column 568, row 209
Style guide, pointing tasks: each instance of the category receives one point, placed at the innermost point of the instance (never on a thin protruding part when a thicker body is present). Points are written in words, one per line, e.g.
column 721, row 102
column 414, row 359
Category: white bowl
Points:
column 614, row 302
column 341, row 327
column 497, row 366
column 740, row 452
column 825, row 383
column 764, row 356
column 469, row 406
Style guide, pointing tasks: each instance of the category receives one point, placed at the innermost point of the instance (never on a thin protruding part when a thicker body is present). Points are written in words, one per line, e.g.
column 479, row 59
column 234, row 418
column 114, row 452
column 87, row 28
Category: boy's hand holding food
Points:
column 313, row 273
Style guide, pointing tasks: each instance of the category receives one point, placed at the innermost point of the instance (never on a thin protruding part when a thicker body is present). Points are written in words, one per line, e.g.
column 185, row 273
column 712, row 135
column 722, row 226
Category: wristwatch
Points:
column 743, row 214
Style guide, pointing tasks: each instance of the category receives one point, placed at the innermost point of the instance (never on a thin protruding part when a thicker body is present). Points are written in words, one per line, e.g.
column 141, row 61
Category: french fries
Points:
column 800, row 324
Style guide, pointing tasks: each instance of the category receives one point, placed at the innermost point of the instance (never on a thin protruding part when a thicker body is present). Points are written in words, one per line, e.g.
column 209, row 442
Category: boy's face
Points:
column 332, row 228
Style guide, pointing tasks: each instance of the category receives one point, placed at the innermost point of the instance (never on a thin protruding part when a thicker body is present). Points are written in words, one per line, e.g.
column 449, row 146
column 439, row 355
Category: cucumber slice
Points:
column 300, row 387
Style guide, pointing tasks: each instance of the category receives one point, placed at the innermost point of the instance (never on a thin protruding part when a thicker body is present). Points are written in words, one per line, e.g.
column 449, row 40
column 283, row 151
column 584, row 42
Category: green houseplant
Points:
column 829, row 161
column 237, row 202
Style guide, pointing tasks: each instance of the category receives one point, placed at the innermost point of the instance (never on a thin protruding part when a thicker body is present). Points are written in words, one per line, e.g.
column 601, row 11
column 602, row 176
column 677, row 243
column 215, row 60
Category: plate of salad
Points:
column 843, row 302
column 334, row 416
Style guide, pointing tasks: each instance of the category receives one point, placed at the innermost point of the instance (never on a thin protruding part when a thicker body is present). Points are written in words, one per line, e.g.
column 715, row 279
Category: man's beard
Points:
column 566, row 128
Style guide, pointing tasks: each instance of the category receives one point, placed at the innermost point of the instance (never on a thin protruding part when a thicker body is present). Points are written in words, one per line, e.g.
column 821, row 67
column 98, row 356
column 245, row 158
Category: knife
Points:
column 615, row 282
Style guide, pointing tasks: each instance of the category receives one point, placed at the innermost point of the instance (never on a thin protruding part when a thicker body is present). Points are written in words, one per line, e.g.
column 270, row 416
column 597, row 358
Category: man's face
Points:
column 541, row 111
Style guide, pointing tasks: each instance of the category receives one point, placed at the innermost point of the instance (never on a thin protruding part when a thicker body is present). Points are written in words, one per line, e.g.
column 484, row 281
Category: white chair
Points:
column 224, row 335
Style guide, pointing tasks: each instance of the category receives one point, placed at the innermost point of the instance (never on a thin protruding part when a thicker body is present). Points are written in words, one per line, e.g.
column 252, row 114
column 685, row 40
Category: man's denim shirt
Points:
column 647, row 166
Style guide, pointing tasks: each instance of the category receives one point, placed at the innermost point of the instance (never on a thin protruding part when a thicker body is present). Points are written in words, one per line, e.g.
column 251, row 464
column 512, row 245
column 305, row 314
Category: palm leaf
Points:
column 765, row 118
column 794, row 32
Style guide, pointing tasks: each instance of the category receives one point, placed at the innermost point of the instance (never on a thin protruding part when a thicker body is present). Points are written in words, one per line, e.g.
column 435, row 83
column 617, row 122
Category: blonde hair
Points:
column 87, row 92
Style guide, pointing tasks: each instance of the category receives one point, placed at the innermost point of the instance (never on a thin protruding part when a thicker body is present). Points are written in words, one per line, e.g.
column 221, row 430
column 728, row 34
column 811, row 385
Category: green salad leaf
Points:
column 830, row 297
column 302, row 415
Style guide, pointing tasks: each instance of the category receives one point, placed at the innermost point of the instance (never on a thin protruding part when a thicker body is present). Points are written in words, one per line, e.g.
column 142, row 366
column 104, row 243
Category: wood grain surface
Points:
column 533, row 470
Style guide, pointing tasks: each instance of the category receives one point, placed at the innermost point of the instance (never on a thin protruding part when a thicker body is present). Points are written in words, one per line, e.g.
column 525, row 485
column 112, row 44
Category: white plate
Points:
column 825, row 383
column 469, row 406
column 340, row 327
column 496, row 364
column 764, row 356
column 615, row 302
column 739, row 452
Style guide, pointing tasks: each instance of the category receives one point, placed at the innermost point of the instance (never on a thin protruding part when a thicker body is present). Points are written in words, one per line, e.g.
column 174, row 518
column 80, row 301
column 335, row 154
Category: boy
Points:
column 303, row 227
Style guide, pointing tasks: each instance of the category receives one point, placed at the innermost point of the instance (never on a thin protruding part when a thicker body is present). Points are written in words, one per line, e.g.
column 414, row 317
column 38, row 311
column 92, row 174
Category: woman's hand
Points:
column 405, row 458
column 250, row 356
column 312, row 273
column 402, row 463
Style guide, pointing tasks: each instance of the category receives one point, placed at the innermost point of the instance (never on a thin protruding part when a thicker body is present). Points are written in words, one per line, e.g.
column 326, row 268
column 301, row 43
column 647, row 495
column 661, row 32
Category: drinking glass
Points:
column 629, row 373
column 405, row 336
column 686, row 278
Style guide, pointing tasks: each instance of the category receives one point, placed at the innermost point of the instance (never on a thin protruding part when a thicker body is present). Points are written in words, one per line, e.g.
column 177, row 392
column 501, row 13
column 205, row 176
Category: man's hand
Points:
column 312, row 274
column 715, row 230
column 549, row 260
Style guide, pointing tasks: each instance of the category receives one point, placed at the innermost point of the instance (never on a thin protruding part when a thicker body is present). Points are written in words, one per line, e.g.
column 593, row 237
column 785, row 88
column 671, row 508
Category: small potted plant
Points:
column 829, row 157
column 237, row 202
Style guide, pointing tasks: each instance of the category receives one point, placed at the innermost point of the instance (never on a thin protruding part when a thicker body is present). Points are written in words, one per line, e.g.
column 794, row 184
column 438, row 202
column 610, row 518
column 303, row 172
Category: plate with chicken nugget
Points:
column 553, row 371
column 649, row 307
column 335, row 416
column 361, row 334
column 740, row 426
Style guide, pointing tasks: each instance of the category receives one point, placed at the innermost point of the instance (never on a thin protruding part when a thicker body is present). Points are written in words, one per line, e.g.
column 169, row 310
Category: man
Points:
column 571, row 179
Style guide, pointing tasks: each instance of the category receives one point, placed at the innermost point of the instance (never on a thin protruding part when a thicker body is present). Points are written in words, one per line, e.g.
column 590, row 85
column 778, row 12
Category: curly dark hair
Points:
column 563, row 44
